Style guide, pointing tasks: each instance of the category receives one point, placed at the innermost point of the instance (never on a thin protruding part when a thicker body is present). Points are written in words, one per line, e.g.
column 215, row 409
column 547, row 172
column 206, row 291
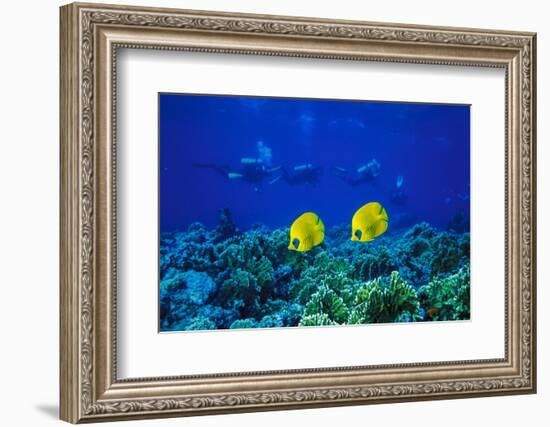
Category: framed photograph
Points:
column 266, row 212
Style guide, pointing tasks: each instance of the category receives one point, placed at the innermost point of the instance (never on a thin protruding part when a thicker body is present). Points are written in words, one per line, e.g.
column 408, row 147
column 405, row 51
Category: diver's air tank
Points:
column 250, row 161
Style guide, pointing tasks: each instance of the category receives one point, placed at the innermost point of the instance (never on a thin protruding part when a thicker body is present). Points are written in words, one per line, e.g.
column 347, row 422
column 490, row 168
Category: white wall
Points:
column 29, row 212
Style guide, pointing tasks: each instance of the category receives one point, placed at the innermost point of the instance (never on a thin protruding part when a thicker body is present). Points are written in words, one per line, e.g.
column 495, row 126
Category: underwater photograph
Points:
column 292, row 212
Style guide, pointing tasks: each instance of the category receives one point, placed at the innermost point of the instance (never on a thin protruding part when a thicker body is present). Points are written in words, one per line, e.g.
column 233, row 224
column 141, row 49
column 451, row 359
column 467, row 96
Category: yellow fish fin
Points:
column 384, row 214
column 381, row 227
column 373, row 208
column 319, row 232
column 310, row 218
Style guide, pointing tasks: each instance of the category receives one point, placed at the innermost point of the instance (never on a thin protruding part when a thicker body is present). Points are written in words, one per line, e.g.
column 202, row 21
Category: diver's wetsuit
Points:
column 302, row 174
column 252, row 171
column 223, row 170
column 363, row 174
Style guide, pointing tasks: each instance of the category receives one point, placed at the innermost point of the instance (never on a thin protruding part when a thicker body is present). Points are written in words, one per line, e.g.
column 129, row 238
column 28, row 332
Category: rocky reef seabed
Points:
column 223, row 278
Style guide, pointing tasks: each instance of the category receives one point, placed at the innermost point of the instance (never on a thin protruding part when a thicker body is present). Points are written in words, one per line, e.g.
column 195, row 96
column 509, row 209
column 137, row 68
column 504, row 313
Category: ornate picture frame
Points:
column 90, row 37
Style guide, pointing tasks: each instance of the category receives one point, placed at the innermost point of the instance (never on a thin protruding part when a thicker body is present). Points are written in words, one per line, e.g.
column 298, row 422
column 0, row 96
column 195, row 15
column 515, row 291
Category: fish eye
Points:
column 358, row 234
column 296, row 243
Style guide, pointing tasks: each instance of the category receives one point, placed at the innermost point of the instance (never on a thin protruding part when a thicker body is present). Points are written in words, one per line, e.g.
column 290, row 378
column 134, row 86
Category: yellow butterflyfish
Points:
column 306, row 232
column 369, row 222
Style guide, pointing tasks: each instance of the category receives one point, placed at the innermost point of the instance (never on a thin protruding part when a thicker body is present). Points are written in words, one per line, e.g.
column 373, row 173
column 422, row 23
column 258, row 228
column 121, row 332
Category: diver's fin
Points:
column 341, row 173
column 221, row 169
column 209, row 166
column 275, row 169
column 344, row 175
column 285, row 175
column 274, row 180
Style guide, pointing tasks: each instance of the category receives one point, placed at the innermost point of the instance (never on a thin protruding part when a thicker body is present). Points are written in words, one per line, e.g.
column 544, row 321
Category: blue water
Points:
column 428, row 145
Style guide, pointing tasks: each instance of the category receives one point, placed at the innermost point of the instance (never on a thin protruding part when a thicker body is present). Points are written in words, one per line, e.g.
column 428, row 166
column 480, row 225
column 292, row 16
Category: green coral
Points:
column 316, row 320
column 240, row 291
column 263, row 270
column 326, row 271
column 447, row 298
column 326, row 301
column 376, row 302
column 242, row 251
column 278, row 245
column 368, row 266
column 251, row 274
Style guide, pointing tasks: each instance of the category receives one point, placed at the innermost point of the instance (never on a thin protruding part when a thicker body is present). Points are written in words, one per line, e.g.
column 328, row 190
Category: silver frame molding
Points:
column 90, row 37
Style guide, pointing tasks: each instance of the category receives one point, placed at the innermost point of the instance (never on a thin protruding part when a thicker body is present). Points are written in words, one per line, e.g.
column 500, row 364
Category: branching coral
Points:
column 326, row 271
column 447, row 254
column 447, row 298
column 368, row 266
column 376, row 302
column 316, row 320
column 240, row 291
column 422, row 230
column 326, row 301
column 263, row 270
column 423, row 253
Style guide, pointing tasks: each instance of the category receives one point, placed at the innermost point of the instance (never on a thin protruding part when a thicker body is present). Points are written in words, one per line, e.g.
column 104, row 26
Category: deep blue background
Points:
column 428, row 144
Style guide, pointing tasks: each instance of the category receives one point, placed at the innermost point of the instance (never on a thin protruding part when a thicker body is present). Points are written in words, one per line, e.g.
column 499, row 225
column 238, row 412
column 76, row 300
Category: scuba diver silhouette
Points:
column 252, row 171
column 302, row 174
column 398, row 196
column 365, row 173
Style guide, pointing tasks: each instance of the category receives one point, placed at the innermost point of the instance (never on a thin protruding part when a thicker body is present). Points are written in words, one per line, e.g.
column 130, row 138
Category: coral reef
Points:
column 225, row 278
column 326, row 301
column 316, row 320
column 226, row 227
column 447, row 298
column 377, row 302
column 459, row 223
